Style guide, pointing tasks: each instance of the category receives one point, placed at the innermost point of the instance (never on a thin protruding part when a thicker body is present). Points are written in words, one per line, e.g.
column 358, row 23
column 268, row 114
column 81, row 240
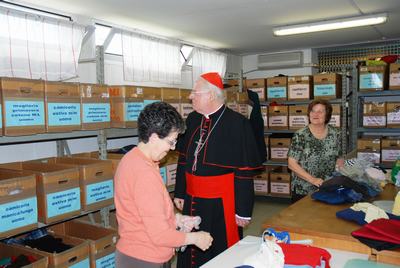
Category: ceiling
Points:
column 237, row 26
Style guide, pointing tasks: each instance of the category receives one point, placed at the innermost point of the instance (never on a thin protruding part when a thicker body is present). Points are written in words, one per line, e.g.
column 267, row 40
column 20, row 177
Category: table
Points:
column 234, row 256
column 310, row 219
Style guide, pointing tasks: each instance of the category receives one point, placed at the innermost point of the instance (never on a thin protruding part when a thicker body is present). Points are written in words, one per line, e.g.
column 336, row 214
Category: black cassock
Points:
column 219, row 184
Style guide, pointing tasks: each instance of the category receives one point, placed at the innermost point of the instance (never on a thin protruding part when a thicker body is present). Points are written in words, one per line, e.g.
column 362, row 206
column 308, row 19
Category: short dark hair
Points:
column 328, row 109
column 160, row 118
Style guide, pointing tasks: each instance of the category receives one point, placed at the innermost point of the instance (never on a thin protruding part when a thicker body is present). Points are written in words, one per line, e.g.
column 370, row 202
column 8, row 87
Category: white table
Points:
column 235, row 255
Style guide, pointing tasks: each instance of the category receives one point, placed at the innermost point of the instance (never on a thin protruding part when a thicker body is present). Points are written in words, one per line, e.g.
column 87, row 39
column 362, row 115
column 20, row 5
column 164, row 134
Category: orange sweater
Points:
column 145, row 213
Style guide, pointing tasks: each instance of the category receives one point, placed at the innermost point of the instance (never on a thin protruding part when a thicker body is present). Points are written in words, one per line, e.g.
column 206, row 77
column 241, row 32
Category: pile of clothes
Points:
column 358, row 180
column 17, row 261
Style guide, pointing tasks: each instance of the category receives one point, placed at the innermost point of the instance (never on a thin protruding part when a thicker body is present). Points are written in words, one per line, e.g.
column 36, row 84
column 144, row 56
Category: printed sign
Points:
column 96, row 112
column 146, row 102
column 325, row 90
column 372, row 80
column 107, row 261
column 61, row 114
column 59, row 203
column 99, row 191
column 163, row 173
column 18, row 214
column 276, row 92
column 132, row 110
column 24, row 113
column 82, row 264
column 299, row 91
column 1, row 118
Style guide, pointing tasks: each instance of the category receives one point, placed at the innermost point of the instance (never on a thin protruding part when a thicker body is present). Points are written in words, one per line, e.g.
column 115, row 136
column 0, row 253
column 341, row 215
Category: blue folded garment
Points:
column 339, row 195
column 358, row 216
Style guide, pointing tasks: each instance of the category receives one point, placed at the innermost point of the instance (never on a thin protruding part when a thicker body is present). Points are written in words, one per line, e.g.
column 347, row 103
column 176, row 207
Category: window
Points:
column 113, row 46
column 36, row 11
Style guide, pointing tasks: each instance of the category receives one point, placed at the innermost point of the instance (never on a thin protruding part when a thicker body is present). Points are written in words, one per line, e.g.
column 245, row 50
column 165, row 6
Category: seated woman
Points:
column 315, row 151
column 147, row 225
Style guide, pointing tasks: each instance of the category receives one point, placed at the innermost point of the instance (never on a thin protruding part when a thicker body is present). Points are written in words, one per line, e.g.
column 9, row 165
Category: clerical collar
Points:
column 208, row 115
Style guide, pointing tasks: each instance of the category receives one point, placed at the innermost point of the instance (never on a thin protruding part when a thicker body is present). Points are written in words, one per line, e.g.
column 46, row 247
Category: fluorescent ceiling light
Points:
column 328, row 25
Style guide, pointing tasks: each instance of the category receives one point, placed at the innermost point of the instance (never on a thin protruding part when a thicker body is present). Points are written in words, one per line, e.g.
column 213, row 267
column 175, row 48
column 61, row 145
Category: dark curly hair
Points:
column 328, row 109
column 160, row 118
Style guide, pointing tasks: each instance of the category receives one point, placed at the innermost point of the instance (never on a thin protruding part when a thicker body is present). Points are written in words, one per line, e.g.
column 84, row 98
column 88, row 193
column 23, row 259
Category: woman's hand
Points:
column 202, row 240
column 317, row 181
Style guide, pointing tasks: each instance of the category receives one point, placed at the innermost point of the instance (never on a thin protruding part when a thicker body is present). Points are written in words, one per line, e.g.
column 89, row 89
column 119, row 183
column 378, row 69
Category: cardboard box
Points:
column 277, row 88
column 298, row 117
column 169, row 164
column 264, row 114
column 258, row 86
column 280, row 182
column 300, row 87
column 231, row 96
column 95, row 180
column 394, row 76
column 62, row 106
column 372, row 78
column 57, row 189
column 233, row 82
column 18, row 202
column 95, row 107
column 336, row 115
column 8, row 251
column 279, row 148
column 101, row 240
column 327, row 86
column 150, row 94
column 374, row 114
column 278, row 117
column 77, row 256
column 243, row 104
column 261, row 184
column 23, row 106
column 390, row 150
column 369, row 149
column 1, row 113
column 393, row 114
column 172, row 96
column 186, row 104
column 113, row 157
column 125, row 106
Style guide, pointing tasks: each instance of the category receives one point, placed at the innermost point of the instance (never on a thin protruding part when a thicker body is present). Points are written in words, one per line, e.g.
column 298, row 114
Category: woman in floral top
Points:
column 315, row 151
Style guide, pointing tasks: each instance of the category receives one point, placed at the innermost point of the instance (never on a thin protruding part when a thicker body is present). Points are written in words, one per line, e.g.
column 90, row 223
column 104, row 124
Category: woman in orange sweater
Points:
column 147, row 225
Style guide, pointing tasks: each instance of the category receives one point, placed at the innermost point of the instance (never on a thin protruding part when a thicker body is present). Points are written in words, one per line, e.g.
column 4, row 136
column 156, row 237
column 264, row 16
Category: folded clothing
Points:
column 339, row 195
column 358, row 216
column 297, row 254
column 372, row 212
column 343, row 181
column 48, row 243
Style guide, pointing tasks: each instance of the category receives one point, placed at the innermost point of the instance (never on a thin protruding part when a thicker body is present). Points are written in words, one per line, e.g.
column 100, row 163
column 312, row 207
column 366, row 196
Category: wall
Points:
column 250, row 66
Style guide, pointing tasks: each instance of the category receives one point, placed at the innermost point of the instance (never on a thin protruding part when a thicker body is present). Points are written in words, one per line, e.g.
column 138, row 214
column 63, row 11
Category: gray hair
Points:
column 218, row 92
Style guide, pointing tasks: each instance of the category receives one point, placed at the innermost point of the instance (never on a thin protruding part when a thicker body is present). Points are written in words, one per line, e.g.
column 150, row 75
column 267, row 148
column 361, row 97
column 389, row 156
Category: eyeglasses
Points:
column 199, row 92
column 171, row 143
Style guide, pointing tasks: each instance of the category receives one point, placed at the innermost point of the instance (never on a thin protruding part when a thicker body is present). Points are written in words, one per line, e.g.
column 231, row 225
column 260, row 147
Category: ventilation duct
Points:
column 280, row 60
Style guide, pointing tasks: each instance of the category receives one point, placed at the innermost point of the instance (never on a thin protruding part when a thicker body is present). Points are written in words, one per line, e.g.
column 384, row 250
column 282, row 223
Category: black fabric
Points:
column 257, row 123
column 333, row 183
column 378, row 245
column 48, row 243
column 20, row 261
column 230, row 148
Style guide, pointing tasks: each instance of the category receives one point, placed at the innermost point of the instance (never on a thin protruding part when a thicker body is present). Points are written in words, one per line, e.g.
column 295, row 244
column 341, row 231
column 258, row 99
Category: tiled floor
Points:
column 263, row 209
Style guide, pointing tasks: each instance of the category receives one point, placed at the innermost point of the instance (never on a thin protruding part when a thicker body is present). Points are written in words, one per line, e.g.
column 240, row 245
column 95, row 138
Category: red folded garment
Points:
column 297, row 254
column 386, row 230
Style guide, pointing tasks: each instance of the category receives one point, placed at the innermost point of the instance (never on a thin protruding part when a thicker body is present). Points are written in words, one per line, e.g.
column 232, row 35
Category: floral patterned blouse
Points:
column 317, row 157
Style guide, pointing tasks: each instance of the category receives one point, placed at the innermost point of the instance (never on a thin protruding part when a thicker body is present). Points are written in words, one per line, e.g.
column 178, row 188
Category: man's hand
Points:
column 241, row 222
column 179, row 203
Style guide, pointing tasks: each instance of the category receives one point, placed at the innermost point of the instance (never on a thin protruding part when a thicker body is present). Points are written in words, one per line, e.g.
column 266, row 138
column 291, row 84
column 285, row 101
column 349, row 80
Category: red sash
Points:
column 221, row 186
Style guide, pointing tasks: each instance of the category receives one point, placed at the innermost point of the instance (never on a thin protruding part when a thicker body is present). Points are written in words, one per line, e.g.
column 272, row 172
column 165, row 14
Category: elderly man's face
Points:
column 200, row 97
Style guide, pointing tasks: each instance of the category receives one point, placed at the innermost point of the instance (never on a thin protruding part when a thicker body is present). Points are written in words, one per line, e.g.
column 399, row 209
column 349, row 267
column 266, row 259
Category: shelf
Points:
column 275, row 163
column 273, row 131
column 379, row 93
column 300, row 102
column 379, row 130
column 110, row 133
column 274, row 195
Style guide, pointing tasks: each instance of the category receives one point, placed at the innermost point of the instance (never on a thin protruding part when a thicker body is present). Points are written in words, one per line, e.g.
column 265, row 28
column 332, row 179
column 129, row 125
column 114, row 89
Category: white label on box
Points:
column 280, row 187
column 63, row 202
column 276, row 92
column 370, row 156
column 265, row 118
column 371, row 80
column 18, row 213
column 390, row 155
column 298, row 120
column 261, row 186
column 278, row 121
column 23, row 113
column 279, row 153
column 374, row 120
column 99, row 191
column 393, row 118
column 171, row 174
column 335, row 120
column 299, row 91
column 186, row 109
column 132, row 110
column 260, row 91
column 394, row 79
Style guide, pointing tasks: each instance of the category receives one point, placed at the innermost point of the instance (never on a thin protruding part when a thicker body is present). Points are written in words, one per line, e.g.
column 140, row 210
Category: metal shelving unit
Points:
column 357, row 99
